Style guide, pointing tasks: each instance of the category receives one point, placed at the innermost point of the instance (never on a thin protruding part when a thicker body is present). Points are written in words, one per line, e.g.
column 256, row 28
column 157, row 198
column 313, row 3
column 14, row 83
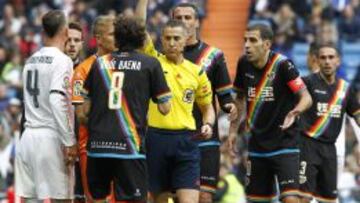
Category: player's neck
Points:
column 330, row 79
column 192, row 40
column 260, row 64
column 54, row 42
column 101, row 52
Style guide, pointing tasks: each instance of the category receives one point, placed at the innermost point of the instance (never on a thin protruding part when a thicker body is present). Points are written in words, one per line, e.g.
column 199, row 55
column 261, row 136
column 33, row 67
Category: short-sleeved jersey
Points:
column 80, row 74
column 211, row 60
column 323, row 121
column 269, row 96
column 188, row 84
column 48, row 70
column 120, row 86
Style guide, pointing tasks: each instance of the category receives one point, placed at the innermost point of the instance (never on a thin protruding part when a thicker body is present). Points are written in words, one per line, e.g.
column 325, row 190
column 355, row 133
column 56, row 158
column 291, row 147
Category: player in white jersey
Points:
column 47, row 148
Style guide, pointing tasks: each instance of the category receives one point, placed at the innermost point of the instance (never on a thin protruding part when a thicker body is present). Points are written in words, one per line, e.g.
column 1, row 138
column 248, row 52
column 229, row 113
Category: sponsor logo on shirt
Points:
column 324, row 108
column 320, row 91
column 249, row 75
column 267, row 94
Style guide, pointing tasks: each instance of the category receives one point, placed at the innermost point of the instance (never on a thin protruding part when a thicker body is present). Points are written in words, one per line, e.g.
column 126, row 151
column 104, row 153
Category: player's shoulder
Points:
column 82, row 70
column 49, row 55
column 87, row 63
column 191, row 65
column 146, row 59
column 284, row 63
column 58, row 54
column 281, row 59
column 193, row 68
column 342, row 80
column 61, row 59
column 205, row 45
column 211, row 50
column 311, row 78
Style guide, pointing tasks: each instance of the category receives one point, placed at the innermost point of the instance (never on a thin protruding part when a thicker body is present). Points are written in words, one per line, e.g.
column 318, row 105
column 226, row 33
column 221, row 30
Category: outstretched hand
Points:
column 289, row 119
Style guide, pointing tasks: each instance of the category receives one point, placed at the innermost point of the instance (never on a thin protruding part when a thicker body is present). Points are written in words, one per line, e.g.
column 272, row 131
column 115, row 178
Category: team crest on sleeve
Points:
column 188, row 96
column 78, row 84
column 66, row 82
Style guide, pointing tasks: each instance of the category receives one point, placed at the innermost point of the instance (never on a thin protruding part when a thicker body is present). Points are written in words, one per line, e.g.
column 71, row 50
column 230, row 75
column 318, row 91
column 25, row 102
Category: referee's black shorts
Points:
column 173, row 160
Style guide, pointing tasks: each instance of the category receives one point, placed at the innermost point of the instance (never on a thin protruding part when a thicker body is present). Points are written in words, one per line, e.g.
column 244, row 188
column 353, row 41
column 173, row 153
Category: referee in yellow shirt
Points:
column 173, row 156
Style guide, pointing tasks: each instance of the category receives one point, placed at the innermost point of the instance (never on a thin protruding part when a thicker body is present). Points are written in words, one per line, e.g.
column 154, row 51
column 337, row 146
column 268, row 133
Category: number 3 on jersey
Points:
column 117, row 81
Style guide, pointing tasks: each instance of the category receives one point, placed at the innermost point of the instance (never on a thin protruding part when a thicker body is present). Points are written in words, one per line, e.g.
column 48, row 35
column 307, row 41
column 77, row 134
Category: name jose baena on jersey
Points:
column 124, row 65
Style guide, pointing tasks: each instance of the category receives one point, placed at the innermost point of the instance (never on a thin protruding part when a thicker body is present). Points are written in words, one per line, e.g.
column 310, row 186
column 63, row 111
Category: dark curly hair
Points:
column 129, row 33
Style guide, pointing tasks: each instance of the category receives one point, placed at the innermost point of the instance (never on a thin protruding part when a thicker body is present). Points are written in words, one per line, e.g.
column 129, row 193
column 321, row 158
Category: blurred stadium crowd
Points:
column 296, row 24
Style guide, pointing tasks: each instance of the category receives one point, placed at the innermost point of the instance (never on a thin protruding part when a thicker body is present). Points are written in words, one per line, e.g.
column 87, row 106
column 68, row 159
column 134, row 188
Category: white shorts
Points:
column 40, row 170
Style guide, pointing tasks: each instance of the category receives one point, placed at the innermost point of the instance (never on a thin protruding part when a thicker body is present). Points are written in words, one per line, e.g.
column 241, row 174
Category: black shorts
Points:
column 128, row 177
column 78, row 190
column 209, row 168
column 173, row 160
column 318, row 170
column 261, row 173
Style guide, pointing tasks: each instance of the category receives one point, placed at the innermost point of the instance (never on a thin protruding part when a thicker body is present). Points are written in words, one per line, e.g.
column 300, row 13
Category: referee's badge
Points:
column 188, row 95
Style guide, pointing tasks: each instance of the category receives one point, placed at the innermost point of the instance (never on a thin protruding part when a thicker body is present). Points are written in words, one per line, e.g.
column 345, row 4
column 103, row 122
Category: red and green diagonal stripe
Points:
column 208, row 54
column 125, row 118
column 255, row 105
column 323, row 121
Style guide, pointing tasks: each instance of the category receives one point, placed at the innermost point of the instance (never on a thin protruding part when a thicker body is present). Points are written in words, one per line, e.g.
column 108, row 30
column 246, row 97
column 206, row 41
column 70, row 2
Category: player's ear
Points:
column 197, row 23
column 338, row 61
column 97, row 38
column 267, row 44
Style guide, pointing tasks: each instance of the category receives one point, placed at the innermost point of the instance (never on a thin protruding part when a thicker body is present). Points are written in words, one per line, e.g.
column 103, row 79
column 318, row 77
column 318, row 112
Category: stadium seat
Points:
column 351, row 54
column 299, row 56
column 350, row 58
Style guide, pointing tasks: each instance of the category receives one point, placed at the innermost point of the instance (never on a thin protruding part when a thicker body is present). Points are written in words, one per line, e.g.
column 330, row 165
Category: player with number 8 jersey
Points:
column 120, row 86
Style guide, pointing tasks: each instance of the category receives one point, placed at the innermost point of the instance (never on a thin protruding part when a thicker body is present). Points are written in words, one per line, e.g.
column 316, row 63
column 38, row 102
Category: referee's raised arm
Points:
column 141, row 10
